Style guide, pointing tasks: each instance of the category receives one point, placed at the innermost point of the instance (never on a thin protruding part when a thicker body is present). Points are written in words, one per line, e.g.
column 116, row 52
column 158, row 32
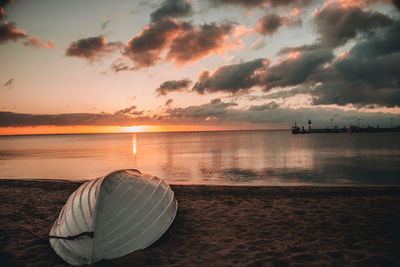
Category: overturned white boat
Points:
column 112, row 216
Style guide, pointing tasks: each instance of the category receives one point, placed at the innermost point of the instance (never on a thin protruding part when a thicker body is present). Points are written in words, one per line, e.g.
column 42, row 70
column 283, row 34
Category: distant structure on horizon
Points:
column 352, row 129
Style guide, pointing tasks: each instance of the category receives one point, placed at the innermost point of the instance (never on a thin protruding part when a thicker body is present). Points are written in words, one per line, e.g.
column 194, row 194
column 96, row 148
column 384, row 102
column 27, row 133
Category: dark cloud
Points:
column 122, row 117
column 121, row 66
column 269, row 24
column 299, row 65
column 337, row 24
column 173, row 86
column 217, row 112
column 168, row 102
column 130, row 111
column 263, row 3
column 109, row 19
column 281, row 93
column 303, row 48
column 10, row 119
column 296, row 68
column 182, row 41
column 216, row 108
column 196, row 43
column 36, row 42
column 145, row 48
column 105, row 24
column 9, row 32
column 396, row 3
column 370, row 74
column 172, row 9
column 3, row 3
column 3, row 13
column 8, row 84
column 231, row 78
column 367, row 75
column 268, row 106
column 92, row 48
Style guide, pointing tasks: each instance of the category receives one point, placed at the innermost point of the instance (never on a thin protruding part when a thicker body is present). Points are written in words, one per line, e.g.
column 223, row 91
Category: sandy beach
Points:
column 226, row 226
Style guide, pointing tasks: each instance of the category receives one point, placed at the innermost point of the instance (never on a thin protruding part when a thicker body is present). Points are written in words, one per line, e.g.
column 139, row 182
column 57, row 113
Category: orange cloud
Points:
column 145, row 48
column 182, row 42
column 200, row 42
column 36, row 42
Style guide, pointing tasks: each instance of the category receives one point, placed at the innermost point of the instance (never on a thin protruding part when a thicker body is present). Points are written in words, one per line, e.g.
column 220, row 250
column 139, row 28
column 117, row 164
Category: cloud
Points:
column 367, row 75
column 182, row 42
column 300, row 63
column 145, row 48
column 215, row 109
column 3, row 3
column 198, row 42
column 173, row 86
column 263, row 3
column 3, row 13
column 117, row 67
column 263, row 107
column 36, row 42
column 168, row 102
column 8, row 84
column 217, row 112
column 108, row 20
column 338, row 23
column 258, row 44
column 92, row 48
column 269, row 24
column 124, row 117
column 172, row 9
column 9, row 32
column 231, row 78
column 370, row 74
column 396, row 3
column 130, row 111
column 282, row 93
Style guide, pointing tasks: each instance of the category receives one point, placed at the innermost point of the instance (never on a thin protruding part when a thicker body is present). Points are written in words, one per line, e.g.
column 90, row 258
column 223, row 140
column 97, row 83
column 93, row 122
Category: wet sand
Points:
column 226, row 226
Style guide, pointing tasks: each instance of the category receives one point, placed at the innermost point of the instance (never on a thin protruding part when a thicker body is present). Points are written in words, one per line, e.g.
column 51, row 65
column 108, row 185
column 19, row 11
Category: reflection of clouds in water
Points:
column 328, row 173
column 232, row 158
column 230, row 174
column 264, row 176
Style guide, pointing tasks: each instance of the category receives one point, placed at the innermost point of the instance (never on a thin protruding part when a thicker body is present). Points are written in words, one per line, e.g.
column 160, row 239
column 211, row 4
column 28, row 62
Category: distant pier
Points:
column 351, row 129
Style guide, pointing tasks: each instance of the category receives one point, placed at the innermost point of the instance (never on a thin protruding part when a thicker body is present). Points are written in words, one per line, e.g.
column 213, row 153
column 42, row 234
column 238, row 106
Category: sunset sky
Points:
column 117, row 66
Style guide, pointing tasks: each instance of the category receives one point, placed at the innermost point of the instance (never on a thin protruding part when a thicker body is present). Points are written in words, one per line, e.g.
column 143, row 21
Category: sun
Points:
column 134, row 129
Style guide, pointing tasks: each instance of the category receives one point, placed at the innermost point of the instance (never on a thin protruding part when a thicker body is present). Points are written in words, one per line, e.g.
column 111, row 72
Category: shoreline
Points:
column 226, row 225
column 321, row 185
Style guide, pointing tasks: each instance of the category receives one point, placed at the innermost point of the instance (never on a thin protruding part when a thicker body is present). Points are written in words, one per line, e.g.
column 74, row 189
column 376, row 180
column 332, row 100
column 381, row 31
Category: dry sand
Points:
column 226, row 226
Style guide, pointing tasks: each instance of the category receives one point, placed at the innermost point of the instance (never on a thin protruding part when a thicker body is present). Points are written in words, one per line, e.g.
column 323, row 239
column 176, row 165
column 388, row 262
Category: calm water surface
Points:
column 245, row 157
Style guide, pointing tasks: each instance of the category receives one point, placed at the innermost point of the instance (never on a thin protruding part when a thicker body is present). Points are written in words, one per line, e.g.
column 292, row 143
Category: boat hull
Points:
column 122, row 212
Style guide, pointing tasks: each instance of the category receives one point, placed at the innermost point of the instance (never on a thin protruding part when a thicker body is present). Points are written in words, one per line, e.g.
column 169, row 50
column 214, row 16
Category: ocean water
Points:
column 229, row 158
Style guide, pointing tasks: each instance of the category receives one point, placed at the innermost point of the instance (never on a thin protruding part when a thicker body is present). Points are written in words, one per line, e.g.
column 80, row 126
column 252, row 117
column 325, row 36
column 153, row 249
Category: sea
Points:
column 271, row 158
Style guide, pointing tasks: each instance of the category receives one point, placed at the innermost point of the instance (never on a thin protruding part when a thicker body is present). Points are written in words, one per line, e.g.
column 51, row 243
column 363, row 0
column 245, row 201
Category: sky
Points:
column 175, row 65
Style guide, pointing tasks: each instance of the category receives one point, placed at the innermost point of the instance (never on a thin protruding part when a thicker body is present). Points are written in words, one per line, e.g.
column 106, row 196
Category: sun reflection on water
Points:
column 134, row 144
